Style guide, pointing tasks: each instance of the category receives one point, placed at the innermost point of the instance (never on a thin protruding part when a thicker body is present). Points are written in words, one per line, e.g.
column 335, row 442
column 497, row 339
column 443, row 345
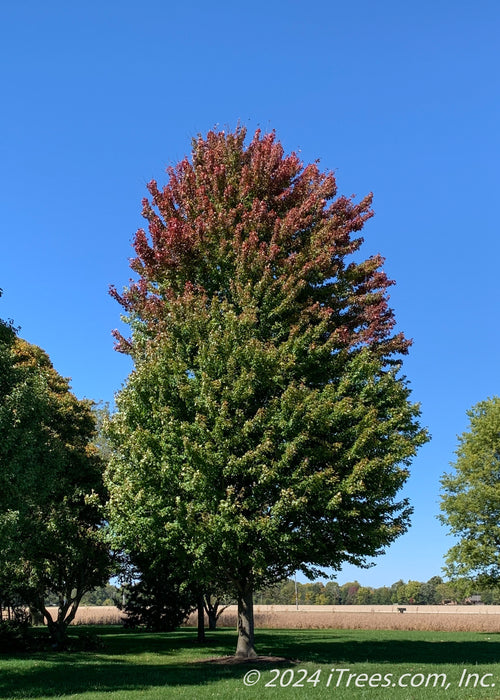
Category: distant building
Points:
column 475, row 600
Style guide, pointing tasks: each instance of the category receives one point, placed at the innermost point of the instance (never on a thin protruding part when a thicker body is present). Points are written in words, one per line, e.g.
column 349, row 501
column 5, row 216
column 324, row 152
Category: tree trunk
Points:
column 57, row 631
column 58, row 634
column 245, row 648
column 75, row 602
column 57, row 628
column 36, row 617
column 212, row 610
column 201, row 620
column 212, row 619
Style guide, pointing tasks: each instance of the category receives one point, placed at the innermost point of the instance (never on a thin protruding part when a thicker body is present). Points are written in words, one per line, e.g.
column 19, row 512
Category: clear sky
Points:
column 397, row 98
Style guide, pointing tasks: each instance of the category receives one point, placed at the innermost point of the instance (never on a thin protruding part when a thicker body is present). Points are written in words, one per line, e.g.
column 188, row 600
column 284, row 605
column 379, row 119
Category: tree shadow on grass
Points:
column 76, row 678
column 334, row 647
column 119, row 641
column 52, row 675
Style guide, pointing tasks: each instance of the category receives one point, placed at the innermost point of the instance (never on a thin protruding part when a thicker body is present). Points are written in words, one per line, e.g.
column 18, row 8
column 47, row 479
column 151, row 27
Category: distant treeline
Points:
column 435, row 591
column 105, row 595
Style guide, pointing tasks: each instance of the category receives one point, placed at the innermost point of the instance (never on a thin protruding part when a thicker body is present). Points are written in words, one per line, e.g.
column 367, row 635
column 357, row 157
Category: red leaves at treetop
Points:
column 249, row 222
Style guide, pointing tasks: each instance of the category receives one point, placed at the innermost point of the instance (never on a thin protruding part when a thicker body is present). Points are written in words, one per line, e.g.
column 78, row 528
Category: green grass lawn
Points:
column 135, row 665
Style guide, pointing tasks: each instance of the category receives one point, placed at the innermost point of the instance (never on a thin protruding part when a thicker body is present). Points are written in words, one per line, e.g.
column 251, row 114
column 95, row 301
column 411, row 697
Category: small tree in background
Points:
column 155, row 596
column 470, row 500
column 52, row 487
column 265, row 427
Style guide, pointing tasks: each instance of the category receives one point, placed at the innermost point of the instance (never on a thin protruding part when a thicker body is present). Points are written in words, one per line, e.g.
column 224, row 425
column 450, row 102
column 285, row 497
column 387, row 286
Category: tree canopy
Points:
column 52, row 486
column 470, row 500
column 265, row 427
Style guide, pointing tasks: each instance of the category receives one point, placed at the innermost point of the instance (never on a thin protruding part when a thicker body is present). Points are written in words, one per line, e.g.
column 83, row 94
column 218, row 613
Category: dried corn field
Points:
column 383, row 617
column 458, row 618
column 95, row 615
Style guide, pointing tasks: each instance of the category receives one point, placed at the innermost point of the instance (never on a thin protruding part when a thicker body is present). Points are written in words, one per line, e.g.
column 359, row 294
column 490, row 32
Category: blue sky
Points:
column 401, row 99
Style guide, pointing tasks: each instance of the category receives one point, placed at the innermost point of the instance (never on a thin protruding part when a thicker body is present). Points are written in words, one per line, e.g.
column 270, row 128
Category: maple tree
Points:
column 265, row 427
column 52, row 487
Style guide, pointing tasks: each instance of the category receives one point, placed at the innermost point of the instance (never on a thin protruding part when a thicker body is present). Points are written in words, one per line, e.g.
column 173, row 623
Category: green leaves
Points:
column 265, row 427
column 471, row 497
column 52, row 495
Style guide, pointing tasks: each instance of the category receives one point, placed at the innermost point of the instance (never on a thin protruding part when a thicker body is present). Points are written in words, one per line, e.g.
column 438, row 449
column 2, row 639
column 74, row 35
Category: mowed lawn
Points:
column 377, row 664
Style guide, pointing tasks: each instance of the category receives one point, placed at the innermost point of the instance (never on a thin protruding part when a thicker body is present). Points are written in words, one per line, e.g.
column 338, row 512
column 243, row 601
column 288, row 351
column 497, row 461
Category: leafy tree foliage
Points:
column 382, row 596
column 7, row 338
column 265, row 427
column 102, row 595
column 52, row 487
column 470, row 501
column 410, row 593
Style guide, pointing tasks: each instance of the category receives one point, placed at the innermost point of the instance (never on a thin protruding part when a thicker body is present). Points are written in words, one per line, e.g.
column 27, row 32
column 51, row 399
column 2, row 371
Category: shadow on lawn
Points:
column 81, row 677
column 332, row 648
column 66, row 674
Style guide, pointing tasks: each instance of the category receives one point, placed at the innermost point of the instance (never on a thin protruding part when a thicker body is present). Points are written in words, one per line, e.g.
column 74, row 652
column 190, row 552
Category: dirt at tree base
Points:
column 233, row 660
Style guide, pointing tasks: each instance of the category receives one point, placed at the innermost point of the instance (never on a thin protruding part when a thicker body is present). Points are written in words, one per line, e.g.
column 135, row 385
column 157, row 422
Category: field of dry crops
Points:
column 387, row 617
column 95, row 615
column 459, row 618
